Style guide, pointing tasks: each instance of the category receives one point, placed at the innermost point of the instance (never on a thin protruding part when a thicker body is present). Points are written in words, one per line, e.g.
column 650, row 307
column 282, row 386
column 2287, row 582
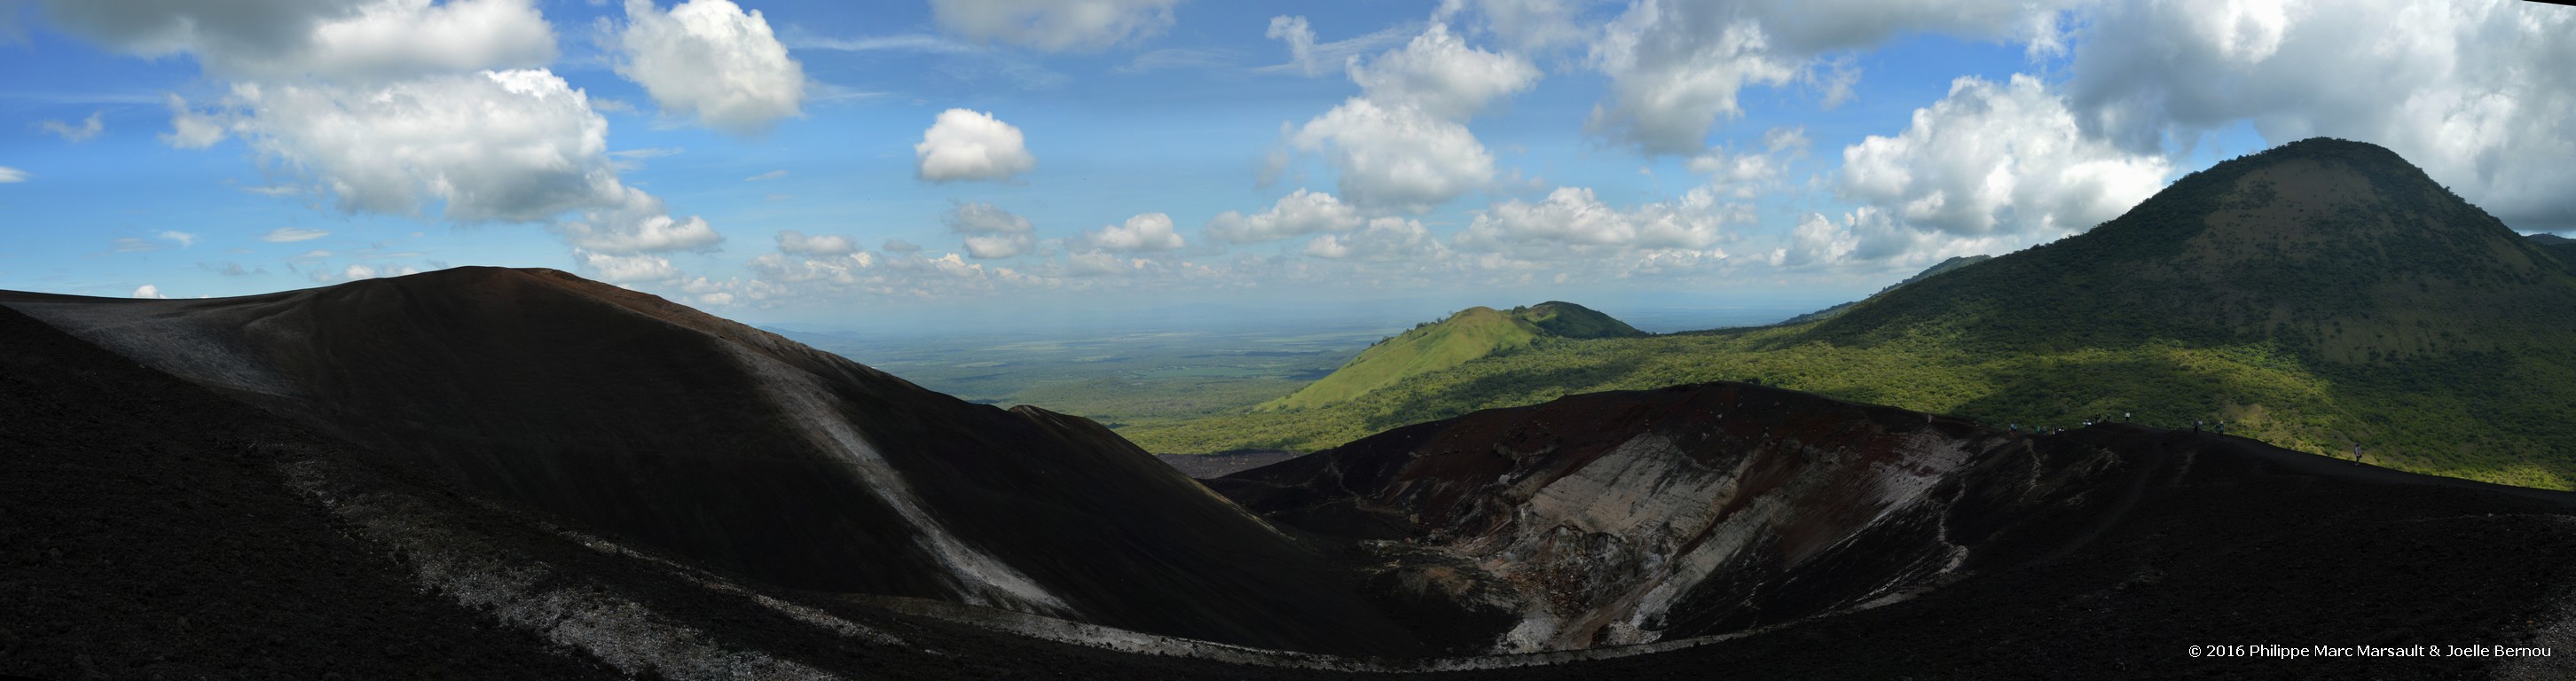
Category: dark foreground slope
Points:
column 153, row 527
column 1895, row 543
column 656, row 425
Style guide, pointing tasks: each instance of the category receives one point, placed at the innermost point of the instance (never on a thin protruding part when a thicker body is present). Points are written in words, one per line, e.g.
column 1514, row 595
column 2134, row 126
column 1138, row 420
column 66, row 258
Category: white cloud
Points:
column 88, row 128
column 1675, row 68
column 1527, row 24
column 990, row 231
column 1573, row 216
column 795, row 242
column 843, row 269
column 148, row 291
column 344, row 40
column 1387, row 238
column 1998, row 159
column 2470, row 91
column 1301, row 42
column 1146, row 232
column 1299, row 213
column 8, row 175
column 1307, row 57
column 509, row 146
column 516, row 146
column 1102, row 263
column 1746, row 175
column 183, row 239
column 190, row 129
column 625, row 269
column 1397, row 158
column 292, row 234
column 971, row 145
column 771, row 175
column 357, row 272
column 711, row 60
column 1054, row 25
column 1440, row 73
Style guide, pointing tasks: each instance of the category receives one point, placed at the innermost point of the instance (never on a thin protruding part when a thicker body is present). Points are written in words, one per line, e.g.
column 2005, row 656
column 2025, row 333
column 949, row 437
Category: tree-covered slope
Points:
column 2321, row 296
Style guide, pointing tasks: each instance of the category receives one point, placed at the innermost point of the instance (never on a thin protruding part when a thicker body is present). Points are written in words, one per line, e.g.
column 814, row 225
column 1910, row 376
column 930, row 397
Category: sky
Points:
column 969, row 164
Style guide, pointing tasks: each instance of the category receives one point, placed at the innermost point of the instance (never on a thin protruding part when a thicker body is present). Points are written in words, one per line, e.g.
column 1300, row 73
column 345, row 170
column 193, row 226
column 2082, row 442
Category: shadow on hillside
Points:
column 1517, row 388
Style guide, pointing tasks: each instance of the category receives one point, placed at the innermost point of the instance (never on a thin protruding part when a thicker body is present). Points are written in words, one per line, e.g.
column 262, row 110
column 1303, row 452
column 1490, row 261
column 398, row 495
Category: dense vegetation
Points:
column 2319, row 296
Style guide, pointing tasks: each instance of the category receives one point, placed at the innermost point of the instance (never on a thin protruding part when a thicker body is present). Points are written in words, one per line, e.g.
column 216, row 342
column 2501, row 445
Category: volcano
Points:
column 737, row 450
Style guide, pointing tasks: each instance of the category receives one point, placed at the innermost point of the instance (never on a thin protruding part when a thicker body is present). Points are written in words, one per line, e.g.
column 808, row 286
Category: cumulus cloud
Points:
column 183, row 239
column 1677, row 68
column 638, row 224
column 1397, row 158
column 1442, row 75
column 344, row 40
column 990, row 231
column 1299, row 213
column 1996, row 158
column 292, row 234
column 625, row 269
column 87, row 128
column 1573, row 216
column 148, row 291
column 1054, row 25
column 964, row 145
column 711, row 60
column 2470, row 91
column 190, row 129
column 517, row 146
column 1147, row 232
column 1387, row 238
column 795, row 242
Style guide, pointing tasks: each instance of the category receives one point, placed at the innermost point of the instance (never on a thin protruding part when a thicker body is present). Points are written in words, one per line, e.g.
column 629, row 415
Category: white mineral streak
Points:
column 980, row 578
column 810, row 616
column 619, row 632
column 1647, row 495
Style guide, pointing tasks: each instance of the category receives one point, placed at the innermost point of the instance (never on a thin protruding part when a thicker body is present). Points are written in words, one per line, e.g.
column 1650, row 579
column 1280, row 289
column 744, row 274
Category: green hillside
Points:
column 2318, row 296
column 1470, row 334
column 1838, row 310
column 2563, row 247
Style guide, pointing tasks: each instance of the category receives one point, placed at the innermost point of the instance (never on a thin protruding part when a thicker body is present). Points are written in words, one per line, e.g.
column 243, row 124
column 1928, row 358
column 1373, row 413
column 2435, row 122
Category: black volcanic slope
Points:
column 654, row 424
column 315, row 498
column 1940, row 547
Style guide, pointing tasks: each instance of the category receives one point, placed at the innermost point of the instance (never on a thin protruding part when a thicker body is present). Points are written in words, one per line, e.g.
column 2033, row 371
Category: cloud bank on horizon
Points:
column 745, row 155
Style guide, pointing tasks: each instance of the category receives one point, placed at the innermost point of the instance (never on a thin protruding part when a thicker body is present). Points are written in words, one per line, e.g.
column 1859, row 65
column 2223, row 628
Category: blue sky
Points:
column 858, row 165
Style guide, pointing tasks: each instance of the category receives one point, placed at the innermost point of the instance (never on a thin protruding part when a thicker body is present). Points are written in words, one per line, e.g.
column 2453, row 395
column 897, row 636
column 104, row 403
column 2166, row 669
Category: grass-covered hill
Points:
column 1838, row 310
column 2563, row 247
column 1470, row 334
column 2320, row 296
